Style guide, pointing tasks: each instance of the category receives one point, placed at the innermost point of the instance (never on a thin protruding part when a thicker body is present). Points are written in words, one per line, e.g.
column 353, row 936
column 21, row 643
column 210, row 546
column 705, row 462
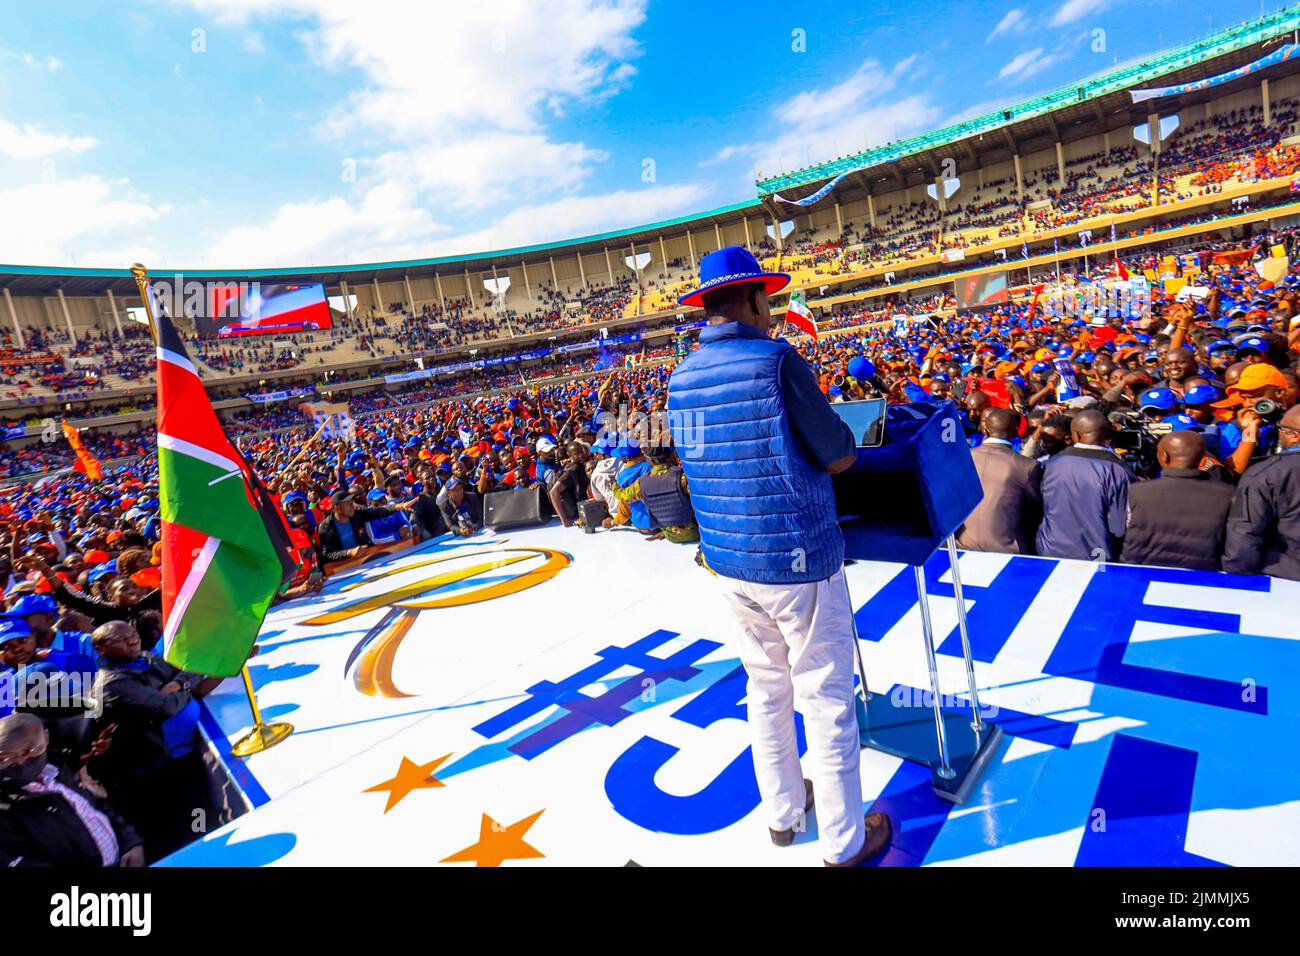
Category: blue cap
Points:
column 1219, row 345
column 1183, row 423
column 101, row 571
column 33, row 604
column 1160, row 398
column 1252, row 343
column 1041, row 367
column 375, row 494
column 12, row 628
column 1200, row 395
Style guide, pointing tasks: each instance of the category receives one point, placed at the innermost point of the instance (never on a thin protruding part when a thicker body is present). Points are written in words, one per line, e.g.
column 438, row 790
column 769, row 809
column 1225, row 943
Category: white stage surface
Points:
column 549, row 697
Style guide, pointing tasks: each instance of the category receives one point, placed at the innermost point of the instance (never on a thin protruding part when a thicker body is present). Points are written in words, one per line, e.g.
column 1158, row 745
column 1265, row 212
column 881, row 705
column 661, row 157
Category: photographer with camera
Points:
column 1263, row 530
column 1257, row 395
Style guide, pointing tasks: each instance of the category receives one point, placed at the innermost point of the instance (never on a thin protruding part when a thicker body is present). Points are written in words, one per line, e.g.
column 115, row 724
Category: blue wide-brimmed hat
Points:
column 732, row 265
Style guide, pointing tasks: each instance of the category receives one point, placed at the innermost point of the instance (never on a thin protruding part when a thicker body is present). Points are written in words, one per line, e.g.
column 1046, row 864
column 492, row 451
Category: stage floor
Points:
column 548, row 697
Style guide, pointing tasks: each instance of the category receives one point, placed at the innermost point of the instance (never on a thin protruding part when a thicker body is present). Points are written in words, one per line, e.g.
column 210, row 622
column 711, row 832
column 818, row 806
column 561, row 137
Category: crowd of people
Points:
column 1166, row 434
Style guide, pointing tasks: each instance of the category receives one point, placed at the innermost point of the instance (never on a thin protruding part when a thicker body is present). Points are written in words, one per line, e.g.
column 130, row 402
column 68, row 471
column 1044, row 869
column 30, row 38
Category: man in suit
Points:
column 1178, row 520
column 1007, row 519
column 1085, row 495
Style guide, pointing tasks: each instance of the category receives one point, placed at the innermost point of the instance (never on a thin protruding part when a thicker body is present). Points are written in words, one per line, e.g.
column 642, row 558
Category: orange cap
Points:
column 1258, row 376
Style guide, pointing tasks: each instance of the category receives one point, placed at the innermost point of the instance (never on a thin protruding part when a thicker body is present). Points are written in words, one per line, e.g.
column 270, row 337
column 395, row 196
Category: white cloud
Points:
column 457, row 104
column 501, row 63
column 1030, row 63
column 728, row 152
column 1073, row 10
column 578, row 216
column 862, row 111
column 50, row 222
column 50, row 63
column 1013, row 22
column 475, row 172
column 384, row 223
column 30, row 142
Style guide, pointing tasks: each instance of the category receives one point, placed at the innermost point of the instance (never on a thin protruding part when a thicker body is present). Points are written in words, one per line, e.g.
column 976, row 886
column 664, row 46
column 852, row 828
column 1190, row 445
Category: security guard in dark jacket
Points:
column 1177, row 520
column 1264, row 523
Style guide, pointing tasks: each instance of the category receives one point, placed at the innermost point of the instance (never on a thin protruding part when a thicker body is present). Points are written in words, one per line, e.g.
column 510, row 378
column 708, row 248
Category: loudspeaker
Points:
column 516, row 508
column 593, row 512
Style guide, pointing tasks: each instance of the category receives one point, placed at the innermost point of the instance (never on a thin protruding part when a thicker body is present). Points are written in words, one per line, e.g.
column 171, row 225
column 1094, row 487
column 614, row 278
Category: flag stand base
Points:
column 261, row 737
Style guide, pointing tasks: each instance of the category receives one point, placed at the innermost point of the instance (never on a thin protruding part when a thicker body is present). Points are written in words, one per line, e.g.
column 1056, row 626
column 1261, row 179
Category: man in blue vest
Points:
column 759, row 443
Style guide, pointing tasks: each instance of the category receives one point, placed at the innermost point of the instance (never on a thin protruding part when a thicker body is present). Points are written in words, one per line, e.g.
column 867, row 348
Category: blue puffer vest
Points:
column 766, row 515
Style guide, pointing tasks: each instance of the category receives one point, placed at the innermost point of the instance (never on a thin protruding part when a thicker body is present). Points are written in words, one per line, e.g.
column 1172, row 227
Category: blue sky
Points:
column 213, row 133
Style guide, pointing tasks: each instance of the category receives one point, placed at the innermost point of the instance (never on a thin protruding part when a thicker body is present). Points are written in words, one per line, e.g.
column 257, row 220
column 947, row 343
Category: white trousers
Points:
column 796, row 641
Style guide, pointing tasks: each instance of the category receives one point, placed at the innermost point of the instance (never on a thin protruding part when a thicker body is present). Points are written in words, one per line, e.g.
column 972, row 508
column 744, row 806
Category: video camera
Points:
column 1135, row 438
column 1270, row 411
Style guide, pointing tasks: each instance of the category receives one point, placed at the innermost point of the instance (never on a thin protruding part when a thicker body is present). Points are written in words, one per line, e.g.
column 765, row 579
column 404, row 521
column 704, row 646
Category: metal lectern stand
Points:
column 960, row 748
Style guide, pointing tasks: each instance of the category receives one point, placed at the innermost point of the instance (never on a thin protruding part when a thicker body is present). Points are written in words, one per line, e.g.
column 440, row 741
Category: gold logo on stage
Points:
column 374, row 654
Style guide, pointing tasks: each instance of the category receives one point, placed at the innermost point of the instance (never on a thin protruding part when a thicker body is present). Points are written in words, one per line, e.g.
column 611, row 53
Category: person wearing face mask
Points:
column 46, row 817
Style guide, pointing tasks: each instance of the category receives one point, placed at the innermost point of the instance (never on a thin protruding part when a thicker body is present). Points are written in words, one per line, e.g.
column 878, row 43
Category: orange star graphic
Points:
column 497, row 843
column 410, row 776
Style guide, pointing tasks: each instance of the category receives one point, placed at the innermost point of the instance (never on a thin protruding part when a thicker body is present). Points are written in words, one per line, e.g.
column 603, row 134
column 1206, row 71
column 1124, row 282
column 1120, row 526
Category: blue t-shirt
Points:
column 386, row 530
column 74, row 642
column 1230, row 438
column 347, row 537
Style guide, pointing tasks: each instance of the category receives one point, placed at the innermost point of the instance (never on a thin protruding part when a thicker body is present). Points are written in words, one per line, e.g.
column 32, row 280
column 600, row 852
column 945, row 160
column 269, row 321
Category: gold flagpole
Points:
column 263, row 735
column 142, row 283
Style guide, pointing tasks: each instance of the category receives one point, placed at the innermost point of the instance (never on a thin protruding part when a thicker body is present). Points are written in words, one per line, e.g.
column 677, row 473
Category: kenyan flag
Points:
column 800, row 315
column 225, row 544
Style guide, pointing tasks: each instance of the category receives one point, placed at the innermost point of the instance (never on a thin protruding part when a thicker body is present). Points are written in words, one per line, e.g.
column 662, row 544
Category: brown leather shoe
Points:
column 786, row 837
column 880, row 831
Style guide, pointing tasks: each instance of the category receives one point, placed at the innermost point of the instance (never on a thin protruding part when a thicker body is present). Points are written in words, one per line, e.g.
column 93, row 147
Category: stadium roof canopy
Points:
column 1093, row 98
column 75, row 281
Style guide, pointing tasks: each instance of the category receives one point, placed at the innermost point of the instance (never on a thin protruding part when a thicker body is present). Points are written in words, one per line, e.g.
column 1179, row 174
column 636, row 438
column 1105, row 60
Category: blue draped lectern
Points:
column 900, row 502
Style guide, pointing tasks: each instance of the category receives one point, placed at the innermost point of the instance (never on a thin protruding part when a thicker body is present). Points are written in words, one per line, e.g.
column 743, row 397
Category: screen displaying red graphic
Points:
column 257, row 309
column 975, row 291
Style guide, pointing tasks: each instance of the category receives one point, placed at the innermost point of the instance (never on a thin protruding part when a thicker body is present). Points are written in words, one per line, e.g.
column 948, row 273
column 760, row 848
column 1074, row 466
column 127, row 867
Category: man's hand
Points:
column 356, row 552
column 99, row 746
column 842, row 464
column 1249, row 421
column 132, row 857
column 171, row 687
